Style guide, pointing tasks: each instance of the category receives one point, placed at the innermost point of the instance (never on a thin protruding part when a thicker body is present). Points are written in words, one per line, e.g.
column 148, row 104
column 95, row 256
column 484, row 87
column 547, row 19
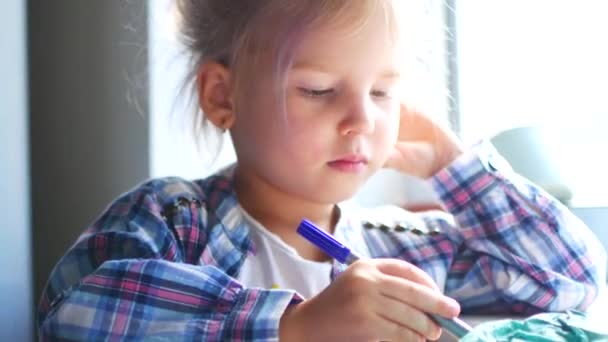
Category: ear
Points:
column 215, row 94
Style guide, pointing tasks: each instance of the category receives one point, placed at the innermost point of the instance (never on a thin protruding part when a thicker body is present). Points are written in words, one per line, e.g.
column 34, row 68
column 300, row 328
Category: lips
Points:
column 353, row 163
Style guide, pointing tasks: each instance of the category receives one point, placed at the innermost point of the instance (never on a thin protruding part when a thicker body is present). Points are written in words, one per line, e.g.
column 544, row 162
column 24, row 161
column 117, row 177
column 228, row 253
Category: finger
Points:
column 419, row 126
column 414, row 158
column 419, row 296
column 390, row 330
column 405, row 270
column 408, row 317
column 415, row 125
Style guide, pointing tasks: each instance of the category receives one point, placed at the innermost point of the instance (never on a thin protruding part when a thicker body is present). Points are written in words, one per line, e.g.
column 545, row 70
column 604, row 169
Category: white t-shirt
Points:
column 278, row 265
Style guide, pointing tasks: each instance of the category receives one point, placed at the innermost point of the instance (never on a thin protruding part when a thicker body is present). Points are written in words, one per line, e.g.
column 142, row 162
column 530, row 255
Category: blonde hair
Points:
column 253, row 36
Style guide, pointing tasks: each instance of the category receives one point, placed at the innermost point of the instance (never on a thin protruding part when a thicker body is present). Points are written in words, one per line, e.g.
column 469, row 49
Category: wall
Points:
column 89, row 128
column 15, row 262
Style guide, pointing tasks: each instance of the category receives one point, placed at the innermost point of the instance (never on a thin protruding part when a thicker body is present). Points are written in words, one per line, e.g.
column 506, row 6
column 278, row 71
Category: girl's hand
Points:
column 423, row 147
column 373, row 300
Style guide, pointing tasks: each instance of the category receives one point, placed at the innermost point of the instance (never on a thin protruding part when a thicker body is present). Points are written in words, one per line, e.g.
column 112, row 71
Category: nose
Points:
column 358, row 118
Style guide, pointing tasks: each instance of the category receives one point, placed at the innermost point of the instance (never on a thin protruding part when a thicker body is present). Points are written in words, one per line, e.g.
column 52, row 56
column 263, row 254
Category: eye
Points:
column 316, row 92
column 380, row 94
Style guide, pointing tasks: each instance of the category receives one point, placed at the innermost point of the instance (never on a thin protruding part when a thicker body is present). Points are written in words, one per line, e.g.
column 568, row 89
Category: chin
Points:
column 337, row 193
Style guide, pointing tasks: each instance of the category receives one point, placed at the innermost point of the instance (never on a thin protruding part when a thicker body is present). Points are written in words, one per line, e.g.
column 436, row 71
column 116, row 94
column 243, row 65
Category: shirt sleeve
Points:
column 515, row 248
column 129, row 277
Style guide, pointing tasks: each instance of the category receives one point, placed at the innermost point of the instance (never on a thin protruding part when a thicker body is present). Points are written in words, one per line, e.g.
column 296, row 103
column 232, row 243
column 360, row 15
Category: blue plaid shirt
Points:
column 161, row 261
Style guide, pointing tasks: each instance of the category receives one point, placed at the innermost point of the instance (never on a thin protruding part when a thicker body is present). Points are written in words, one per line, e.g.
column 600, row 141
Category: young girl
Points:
column 310, row 92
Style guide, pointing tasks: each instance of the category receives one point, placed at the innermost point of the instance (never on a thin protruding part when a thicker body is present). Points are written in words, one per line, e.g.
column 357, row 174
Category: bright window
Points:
column 524, row 62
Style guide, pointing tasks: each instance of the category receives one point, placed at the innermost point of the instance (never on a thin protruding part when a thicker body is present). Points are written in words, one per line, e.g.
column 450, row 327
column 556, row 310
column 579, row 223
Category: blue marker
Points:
column 343, row 254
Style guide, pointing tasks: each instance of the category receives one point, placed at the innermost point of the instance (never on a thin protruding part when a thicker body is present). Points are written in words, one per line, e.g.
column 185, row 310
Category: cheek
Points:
column 307, row 126
column 305, row 138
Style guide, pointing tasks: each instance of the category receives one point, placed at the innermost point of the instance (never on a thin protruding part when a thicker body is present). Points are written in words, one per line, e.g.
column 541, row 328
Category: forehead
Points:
column 369, row 38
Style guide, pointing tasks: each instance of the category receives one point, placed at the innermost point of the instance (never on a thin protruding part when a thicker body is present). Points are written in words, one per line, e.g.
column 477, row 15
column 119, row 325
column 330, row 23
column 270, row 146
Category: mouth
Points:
column 353, row 163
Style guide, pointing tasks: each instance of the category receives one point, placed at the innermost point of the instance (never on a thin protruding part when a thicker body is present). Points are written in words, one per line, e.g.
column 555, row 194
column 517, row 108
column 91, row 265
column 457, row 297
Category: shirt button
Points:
column 368, row 225
column 417, row 231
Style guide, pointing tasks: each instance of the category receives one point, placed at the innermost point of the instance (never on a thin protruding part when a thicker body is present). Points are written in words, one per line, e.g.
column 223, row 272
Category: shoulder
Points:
column 166, row 217
column 170, row 191
column 158, row 199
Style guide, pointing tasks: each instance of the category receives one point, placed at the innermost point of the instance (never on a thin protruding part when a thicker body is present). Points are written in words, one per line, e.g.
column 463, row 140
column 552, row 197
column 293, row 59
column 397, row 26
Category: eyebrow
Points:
column 390, row 73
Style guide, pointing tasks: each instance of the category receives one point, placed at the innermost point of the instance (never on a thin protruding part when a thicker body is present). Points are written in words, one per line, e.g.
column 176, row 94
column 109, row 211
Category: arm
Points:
column 511, row 246
column 521, row 247
column 130, row 276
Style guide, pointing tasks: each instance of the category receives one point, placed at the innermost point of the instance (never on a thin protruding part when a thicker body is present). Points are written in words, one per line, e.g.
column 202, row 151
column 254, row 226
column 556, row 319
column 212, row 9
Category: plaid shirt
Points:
column 161, row 262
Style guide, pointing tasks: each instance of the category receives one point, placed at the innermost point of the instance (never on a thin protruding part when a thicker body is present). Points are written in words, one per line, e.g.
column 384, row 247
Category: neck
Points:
column 280, row 212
